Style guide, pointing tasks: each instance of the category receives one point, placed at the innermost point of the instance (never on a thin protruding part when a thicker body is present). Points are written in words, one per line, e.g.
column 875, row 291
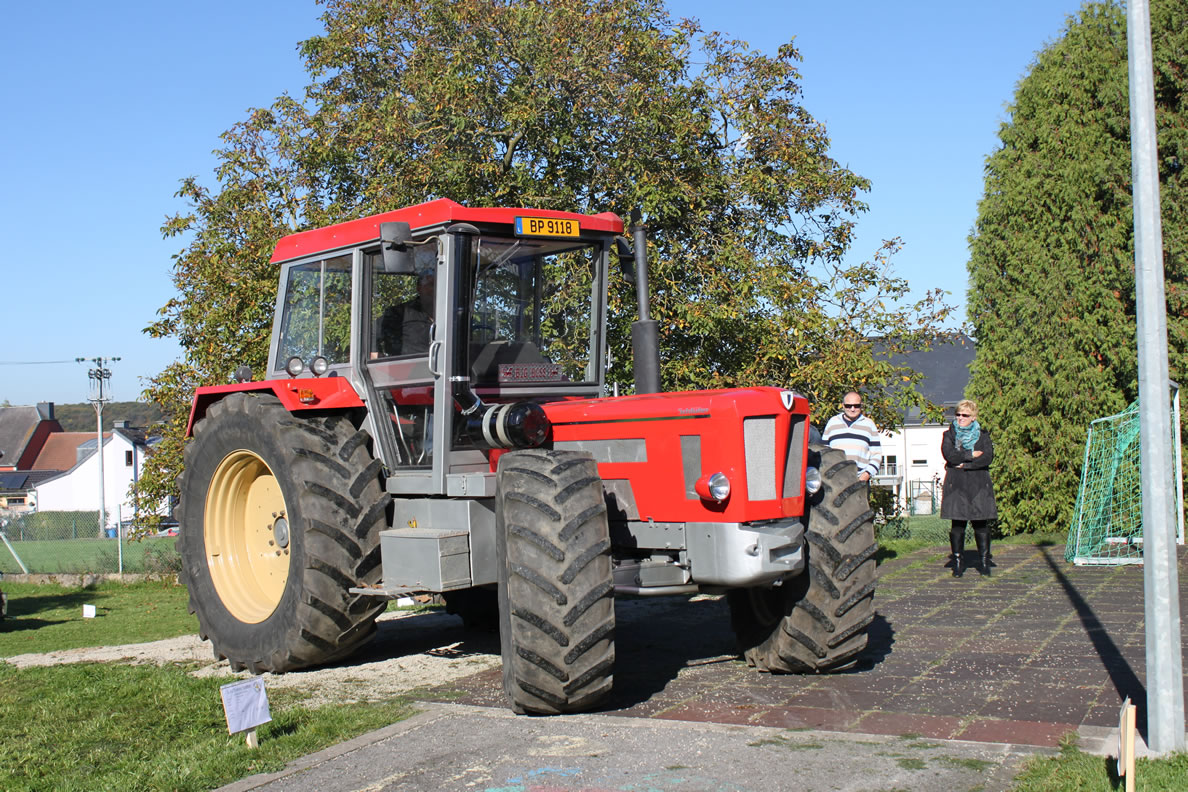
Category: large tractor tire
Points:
column 280, row 517
column 817, row 621
column 556, row 594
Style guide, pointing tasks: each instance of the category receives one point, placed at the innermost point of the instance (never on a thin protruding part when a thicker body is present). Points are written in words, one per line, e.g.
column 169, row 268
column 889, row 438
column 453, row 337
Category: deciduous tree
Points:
column 583, row 105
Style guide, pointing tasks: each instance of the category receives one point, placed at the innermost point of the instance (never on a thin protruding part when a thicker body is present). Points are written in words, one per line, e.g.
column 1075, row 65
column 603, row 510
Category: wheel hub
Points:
column 280, row 531
column 246, row 531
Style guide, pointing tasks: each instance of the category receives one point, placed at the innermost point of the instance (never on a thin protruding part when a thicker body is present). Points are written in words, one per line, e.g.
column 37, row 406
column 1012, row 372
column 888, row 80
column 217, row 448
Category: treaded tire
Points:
column 327, row 485
column 817, row 621
column 556, row 595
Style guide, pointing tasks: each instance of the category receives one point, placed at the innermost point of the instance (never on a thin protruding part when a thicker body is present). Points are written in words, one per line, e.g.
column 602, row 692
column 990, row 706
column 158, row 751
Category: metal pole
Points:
column 120, row 538
column 1165, row 681
column 8, row 544
column 99, row 451
column 100, row 375
column 1179, row 463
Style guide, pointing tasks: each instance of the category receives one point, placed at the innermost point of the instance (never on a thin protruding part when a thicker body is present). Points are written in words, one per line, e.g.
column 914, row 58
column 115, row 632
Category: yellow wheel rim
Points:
column 246, row 531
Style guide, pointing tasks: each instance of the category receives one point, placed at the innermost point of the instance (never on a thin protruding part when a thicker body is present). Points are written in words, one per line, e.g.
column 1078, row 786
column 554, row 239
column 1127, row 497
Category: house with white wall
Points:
column 77, row 487
column 912, row 463
column 24, row 431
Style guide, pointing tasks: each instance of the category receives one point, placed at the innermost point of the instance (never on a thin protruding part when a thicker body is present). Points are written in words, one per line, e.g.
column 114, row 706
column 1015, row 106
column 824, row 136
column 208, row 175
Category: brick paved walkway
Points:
column 1040, row 649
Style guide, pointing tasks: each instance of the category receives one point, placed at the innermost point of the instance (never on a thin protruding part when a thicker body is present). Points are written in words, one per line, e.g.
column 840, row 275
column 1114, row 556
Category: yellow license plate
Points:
column 547, row 226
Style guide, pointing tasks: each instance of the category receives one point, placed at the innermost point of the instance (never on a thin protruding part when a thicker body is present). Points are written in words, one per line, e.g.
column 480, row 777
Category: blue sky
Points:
column 108, row 105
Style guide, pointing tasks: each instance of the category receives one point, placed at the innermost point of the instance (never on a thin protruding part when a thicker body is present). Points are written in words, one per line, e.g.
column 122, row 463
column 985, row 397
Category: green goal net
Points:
column 1107, row 525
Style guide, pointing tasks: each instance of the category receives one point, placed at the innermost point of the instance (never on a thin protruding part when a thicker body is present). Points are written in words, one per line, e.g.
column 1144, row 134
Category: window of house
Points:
column 16, row 501
column 890, row 466
column 919, row 463
column 128, row 458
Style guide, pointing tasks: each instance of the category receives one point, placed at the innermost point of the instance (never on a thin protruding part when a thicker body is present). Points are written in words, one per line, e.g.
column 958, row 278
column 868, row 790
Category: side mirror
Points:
column 626, row 258
column 395, row 239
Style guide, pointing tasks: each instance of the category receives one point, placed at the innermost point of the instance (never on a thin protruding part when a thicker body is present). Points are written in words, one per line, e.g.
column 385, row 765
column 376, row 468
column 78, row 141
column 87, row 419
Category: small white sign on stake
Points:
column 88, row 611
column 245, row 705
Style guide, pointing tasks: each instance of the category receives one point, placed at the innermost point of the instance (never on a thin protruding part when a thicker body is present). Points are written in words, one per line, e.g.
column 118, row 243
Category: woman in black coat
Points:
column 968, row 494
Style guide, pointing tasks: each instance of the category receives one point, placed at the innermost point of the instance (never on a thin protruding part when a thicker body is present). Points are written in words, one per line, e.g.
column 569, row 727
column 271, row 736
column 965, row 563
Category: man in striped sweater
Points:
column 855, row 435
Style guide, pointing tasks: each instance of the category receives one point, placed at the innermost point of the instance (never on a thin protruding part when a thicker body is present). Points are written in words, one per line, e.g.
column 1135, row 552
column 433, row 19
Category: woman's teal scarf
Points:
column 967, row 437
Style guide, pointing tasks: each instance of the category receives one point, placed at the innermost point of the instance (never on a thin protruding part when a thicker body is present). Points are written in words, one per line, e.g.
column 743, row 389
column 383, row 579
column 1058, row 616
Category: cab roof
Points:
column 427, row 215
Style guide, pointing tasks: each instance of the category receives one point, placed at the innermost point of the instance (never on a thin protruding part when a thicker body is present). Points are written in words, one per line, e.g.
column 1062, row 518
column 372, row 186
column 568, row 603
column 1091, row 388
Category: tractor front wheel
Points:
column 817, row 621
column 556, row 595
column 280, row 517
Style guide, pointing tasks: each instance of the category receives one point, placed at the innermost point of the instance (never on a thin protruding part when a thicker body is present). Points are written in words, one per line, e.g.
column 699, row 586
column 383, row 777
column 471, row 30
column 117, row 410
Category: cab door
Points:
column 402, row 373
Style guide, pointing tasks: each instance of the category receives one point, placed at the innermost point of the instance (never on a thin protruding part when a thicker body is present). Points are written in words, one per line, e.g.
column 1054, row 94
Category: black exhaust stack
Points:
column 645, row 337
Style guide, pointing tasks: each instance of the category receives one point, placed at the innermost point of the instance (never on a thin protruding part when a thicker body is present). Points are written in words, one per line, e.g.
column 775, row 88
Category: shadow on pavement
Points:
column 1122, row 676
column 880, row 637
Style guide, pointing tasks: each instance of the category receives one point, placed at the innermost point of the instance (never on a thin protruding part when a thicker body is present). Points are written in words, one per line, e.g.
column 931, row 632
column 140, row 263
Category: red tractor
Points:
column 433, row 420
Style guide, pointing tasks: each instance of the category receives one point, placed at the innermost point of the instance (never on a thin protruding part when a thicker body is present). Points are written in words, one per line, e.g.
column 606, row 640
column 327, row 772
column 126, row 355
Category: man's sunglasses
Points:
column 964, row 415
column 851, row 406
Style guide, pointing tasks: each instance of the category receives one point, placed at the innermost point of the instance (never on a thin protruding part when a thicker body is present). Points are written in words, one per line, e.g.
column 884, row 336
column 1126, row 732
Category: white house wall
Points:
column 917, row 453
column 78, row 488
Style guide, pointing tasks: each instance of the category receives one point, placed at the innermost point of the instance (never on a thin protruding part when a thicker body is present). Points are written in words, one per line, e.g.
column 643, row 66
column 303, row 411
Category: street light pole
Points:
column 1161, row 590
column 99, row 376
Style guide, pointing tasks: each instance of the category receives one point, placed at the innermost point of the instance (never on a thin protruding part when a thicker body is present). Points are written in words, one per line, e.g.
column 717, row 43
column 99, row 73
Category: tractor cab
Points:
column 453, row 314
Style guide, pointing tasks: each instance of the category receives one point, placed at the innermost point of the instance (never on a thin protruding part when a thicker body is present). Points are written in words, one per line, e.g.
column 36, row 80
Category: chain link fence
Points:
column 915, row 515
column 71, row 542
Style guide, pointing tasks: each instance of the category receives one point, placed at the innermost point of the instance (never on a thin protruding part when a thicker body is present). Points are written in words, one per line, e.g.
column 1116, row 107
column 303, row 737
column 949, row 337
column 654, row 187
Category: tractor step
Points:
column 388, row 593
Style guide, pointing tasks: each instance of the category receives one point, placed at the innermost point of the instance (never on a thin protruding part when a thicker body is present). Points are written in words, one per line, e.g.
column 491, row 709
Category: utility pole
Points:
column 100, row 376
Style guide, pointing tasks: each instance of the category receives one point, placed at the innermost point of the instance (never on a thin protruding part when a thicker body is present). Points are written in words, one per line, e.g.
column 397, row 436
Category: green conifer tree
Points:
column 1051, row 296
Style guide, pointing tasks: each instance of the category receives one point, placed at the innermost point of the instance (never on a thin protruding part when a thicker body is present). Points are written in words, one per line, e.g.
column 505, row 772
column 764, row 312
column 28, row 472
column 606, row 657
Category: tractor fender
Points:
column 303, row 393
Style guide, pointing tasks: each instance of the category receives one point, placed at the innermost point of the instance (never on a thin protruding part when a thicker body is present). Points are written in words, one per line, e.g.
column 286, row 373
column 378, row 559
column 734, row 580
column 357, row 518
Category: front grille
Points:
column 759, row 443
column 763, row 449
column 794, row 461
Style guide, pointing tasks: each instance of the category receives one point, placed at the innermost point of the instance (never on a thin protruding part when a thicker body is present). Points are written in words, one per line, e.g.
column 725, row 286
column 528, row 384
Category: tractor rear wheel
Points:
column 556, row 594
column 280, row 517
column 817, row 621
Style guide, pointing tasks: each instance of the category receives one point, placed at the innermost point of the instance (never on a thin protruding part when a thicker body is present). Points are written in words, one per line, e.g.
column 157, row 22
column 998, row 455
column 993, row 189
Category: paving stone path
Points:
column 1038, row 650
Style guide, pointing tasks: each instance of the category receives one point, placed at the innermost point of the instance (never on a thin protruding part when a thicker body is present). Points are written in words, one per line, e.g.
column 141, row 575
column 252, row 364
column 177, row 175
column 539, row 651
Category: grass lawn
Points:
column 904, row 535
column 78, row 556
column 47, row 617
column 1076, row 771
column 88, row 727
column 92, row 726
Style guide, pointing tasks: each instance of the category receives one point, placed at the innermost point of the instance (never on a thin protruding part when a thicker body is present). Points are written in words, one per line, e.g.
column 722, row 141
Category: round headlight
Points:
column 295, row 366
column 812, row 480
column 715, row 487
column 319, row 365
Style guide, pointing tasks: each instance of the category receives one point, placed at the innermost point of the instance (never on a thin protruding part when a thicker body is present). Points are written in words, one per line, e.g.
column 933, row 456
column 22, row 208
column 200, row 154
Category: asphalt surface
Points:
column 963, row 679
column 456, row 747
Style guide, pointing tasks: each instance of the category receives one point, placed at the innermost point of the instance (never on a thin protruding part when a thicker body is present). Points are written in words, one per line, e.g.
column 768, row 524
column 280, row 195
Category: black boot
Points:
column 957, row 547
column 982, row 538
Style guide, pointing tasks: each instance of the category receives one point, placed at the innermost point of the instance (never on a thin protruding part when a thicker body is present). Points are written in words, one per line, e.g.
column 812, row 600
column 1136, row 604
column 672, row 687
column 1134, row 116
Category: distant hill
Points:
column 81, row 417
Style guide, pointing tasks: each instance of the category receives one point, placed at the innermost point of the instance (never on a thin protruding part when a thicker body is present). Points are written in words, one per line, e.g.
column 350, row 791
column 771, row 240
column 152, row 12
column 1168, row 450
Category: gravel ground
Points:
column 411, row 651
